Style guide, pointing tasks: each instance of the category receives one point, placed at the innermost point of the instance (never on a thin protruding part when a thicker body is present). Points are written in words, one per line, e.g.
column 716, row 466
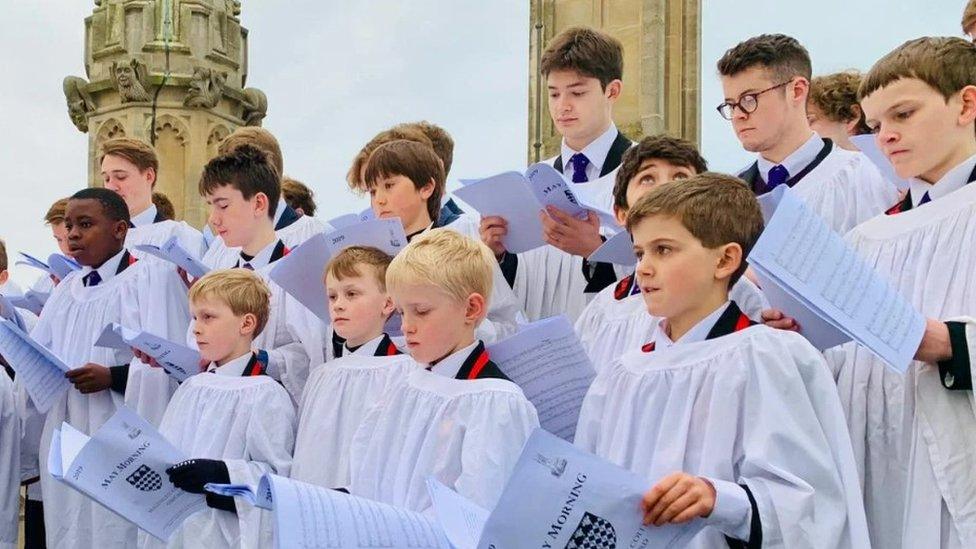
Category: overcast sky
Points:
column 337, row 72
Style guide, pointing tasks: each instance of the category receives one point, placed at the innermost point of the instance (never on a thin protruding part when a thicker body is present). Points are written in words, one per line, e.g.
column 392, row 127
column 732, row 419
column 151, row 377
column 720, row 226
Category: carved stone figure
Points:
column 255, row 106
column 206, row 88
column 131, row 80
column 80, row 102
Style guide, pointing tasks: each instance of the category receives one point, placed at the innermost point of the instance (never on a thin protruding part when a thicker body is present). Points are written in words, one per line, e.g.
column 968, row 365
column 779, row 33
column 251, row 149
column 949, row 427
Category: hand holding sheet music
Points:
column 178, row 360
column 123, row 467
column 173, row 252
column 815, row 267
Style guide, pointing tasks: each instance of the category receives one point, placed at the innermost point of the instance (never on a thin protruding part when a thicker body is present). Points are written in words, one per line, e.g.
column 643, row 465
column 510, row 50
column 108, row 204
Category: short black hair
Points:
column 112, row 204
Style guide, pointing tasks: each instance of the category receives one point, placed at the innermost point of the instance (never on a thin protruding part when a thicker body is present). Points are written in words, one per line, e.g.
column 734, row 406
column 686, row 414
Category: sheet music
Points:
column 618, row 249
column 123, row 467
column 800, row 253
column 172, row 251
column 37, row 368
column 547, row 360
column 508, row 195
column 461, row 520
column 178, row 360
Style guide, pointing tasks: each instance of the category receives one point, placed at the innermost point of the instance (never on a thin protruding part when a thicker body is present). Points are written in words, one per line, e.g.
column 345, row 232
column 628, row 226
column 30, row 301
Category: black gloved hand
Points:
column 192, row 474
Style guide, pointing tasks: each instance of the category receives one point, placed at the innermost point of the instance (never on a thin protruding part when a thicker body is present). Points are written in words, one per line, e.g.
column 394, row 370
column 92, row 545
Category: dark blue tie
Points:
column 579, row 162
column 777, row 176
column 92, row 279
column 925, row 199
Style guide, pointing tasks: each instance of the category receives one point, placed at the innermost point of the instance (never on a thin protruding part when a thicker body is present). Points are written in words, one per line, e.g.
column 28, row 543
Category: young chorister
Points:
column 339, row 393
column 616, row 320
column 457, row 417
column 234, row 421
column 583, row 70
column 112, row 286
column 735, row 424
column 242, row 191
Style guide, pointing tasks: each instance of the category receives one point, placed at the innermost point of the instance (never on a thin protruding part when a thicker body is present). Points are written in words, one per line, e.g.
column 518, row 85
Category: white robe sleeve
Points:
column 291, row 362
column 269, row 443
column 9, row 465
column 504, row 312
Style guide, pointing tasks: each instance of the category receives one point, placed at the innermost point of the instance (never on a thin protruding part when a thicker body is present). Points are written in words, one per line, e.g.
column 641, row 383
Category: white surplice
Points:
column 905, row 428
column 146, row 296
column 220, row 256
column 610, row 327
column 249, row 424
column 756, row 408
column 9, row 464
column 337, row 397
column 468, row 434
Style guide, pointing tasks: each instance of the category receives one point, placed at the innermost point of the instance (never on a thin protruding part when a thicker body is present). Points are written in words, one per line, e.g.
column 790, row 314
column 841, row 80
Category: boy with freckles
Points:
column 738, row 425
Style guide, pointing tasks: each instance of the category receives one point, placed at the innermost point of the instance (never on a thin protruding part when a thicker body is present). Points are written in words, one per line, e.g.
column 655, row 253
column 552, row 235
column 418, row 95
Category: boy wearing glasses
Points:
column 766, row 80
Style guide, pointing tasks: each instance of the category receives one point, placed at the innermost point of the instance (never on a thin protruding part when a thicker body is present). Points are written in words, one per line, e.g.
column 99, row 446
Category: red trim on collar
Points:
column 743, row 323
column 648, row 347
column 391, row 349
column 132, row 260
column 623, row 287
column 479, row 365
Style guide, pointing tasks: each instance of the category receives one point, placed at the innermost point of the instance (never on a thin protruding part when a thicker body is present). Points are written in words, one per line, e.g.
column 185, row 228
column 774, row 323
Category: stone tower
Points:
column 172, row 72
column 662, row 65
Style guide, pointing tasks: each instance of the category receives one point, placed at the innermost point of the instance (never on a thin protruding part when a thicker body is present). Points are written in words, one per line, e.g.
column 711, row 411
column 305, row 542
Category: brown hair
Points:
column 440, row 140
column 242, row 290
column 947, row 64
column 298, row 195
column 163, row 205
column 673, row 150
column 256, row 137
column 969, row 16
column 717, row 209
column 836, row 96
column 247, row 170
column 349, row 263
column 3, row 256
column 586, row 51
column 782, row 55
column 412, row 160
column 403, row 131
column 55, row 214
column 136, row 151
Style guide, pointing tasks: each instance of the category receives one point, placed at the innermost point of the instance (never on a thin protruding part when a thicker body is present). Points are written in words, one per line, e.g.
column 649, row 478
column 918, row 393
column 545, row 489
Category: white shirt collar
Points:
column 108, row 269
column 953, row 180
column 366, row 349
column 596, row 152
column 450, row 365
column 233, row 368
column 698, row 332
column 797, row 160
column 279, row 210
column 262, row 259
column 147, row 217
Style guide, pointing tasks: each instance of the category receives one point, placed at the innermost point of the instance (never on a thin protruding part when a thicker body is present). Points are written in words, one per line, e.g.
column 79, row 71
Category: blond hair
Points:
column 716, row 209
column 945, row 63
column 458, row 265
column 258, row 138
column 969, row 16
column 240, row 289
column 350, row 261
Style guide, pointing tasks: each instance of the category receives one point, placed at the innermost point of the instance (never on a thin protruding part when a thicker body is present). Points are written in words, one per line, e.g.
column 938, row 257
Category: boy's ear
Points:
column 249, row 324
column 476, row 309
column 4, row 276
column 150, row 174
column 614, row 89
column 427, row 190
column 729, row 259
column 967, row 97
column 261, row 203
column 851, row 125
column 120, row 229
column 388, row 306
column 620, row 215
column 801, row 90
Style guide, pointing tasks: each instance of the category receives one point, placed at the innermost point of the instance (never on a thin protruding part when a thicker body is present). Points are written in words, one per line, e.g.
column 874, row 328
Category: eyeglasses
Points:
column 748, row 102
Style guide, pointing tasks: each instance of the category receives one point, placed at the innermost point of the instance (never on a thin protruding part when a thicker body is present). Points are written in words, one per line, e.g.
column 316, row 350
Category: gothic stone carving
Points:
column 80, row 102
column 206, row 87
column 255, row 106
column 131, row 81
